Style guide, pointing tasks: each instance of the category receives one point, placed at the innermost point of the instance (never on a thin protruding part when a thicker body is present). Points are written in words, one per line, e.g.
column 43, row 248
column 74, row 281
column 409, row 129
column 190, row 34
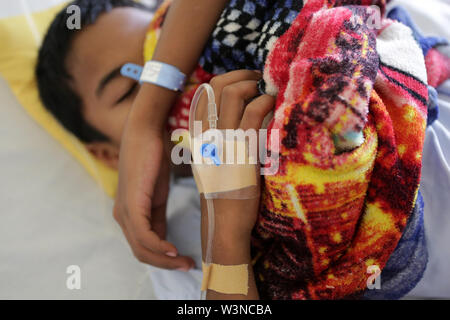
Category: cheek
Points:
column 109, row 121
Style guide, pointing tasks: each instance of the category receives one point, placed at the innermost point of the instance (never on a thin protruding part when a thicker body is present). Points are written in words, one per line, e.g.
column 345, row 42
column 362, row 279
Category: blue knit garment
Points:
column 406, row 266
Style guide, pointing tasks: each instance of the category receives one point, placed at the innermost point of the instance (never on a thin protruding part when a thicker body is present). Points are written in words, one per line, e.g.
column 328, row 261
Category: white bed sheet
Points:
column 53, row 215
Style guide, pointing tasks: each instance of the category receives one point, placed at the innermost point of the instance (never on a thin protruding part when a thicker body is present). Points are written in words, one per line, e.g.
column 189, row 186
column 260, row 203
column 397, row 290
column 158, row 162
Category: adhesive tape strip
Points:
column 225, row 279
column 211, row 179
column 228, row 176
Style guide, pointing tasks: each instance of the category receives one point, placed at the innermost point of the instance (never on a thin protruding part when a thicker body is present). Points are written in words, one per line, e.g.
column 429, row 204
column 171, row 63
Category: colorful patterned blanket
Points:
column 352, row 101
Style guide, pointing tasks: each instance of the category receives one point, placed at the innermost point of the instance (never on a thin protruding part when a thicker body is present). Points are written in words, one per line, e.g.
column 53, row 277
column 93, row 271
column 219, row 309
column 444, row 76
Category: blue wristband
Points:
column 158, row 73
column 131, row 70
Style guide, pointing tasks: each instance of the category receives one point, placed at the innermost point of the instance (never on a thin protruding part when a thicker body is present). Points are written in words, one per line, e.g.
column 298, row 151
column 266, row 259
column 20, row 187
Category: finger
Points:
column 139, row 226
column 256, row 111
column 234, row 99
column 158, row 221
column 158, row 260
column 159, row 200
column 220, row 82
column 117, row 216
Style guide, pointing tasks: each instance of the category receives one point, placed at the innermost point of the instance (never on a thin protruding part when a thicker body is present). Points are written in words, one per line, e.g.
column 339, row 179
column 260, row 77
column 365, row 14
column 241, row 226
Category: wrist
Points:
column 152, row 106
column 229, row 250
column 235, row 220
column 233, row 238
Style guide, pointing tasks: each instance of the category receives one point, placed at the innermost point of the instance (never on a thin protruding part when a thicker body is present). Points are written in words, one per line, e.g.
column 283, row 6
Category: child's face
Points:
column 97, row 54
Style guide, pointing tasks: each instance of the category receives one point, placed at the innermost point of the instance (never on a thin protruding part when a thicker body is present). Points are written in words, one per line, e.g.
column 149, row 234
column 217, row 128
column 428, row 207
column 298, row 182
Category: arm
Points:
column 230, row 248
column 234, row 219
column 143, row 168
column 186, row 29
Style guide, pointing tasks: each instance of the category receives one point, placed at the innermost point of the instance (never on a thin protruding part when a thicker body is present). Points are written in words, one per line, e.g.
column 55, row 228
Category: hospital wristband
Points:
column 157, row 73
column 163, row 75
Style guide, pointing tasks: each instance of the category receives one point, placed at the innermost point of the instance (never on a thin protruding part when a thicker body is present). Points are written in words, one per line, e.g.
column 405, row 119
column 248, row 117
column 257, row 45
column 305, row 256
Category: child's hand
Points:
column 234, row 219
column 234, row 93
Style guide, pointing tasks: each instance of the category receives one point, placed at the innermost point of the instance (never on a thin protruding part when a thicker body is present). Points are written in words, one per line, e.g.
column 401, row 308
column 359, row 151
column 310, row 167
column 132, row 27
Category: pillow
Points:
column 20, row 39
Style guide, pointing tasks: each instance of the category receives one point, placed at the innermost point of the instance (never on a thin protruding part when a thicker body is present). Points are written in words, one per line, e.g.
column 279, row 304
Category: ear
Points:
column 106, row 152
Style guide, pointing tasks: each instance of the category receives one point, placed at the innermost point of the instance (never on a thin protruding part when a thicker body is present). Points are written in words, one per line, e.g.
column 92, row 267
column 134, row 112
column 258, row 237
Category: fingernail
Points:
column 183, row 269
column 171, row 254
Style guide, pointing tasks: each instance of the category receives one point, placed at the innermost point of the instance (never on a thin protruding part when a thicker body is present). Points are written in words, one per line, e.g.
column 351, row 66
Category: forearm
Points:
column 185, row 32
column 228, row 249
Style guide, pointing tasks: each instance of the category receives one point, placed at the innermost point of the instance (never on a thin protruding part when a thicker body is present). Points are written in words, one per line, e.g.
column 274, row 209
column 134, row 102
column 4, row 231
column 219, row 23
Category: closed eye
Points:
column 128, row 93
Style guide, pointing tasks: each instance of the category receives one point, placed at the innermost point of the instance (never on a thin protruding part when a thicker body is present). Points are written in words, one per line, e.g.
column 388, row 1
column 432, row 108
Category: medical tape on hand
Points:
column 217, row 178
column 228, row 180
column 225, row 279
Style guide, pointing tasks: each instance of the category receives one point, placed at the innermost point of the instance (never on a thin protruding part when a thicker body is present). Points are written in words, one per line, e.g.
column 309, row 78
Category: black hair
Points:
column 53, row 79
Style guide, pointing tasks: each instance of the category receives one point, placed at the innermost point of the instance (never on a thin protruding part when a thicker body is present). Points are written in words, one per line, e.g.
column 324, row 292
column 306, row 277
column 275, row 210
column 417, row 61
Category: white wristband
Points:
column 158, row 73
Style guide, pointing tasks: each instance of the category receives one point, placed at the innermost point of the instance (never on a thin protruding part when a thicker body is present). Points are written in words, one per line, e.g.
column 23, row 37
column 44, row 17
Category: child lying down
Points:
column 350, row 101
